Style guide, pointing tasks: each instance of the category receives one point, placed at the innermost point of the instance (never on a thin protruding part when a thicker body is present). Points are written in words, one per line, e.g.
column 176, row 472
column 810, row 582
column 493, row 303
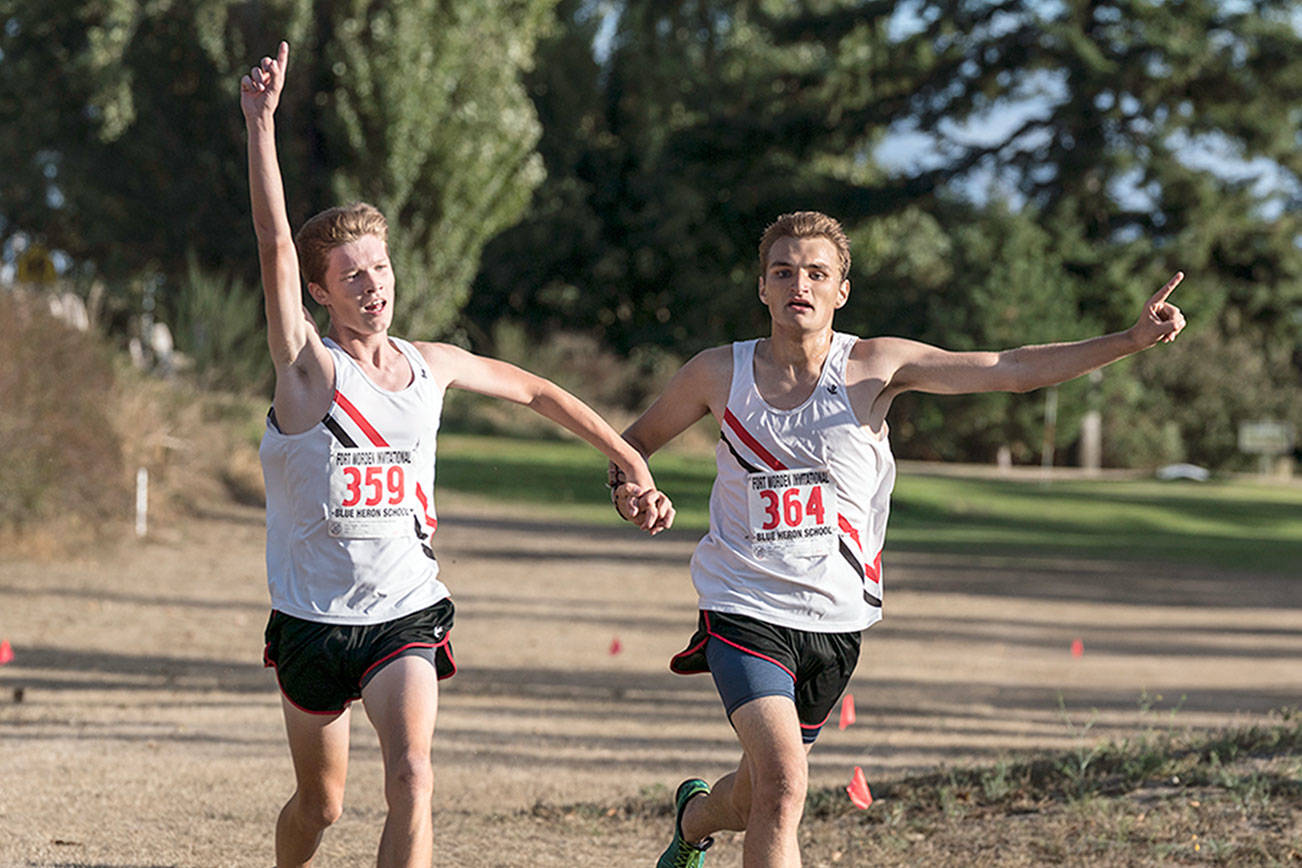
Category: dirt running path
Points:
column 149, row 734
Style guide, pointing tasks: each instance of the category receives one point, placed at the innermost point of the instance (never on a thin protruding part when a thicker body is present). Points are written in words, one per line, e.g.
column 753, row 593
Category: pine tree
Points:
column 1093, row 121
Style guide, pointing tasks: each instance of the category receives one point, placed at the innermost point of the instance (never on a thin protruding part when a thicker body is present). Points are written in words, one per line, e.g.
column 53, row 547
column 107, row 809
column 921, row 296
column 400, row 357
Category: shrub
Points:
column 221, row 326
column 60, row 453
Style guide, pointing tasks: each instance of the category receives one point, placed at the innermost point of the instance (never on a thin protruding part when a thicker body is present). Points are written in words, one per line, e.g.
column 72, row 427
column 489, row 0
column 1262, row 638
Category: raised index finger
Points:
column 282, row 56
column 1161, row 294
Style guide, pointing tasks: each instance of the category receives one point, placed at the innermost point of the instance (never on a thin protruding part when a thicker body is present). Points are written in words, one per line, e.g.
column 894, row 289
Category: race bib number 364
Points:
column 369, row 493
column 792, row 512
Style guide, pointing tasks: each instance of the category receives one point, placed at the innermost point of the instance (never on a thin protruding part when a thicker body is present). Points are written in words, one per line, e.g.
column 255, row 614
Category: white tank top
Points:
column 799, row 506
column 350, row 502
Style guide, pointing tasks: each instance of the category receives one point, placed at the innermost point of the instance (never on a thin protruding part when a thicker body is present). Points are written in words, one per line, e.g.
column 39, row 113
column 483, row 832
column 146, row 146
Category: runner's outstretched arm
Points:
column 304, row 371
column 923, row 368
column 649, row 508
column 687, row 398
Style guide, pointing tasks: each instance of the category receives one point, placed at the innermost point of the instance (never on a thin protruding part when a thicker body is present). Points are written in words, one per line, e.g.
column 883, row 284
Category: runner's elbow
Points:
column 540, row 395
column 1012, row 374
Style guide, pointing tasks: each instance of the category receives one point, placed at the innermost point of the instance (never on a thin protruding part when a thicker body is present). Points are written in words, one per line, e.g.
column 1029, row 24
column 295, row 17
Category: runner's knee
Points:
column 777, row 792
column 409, row 777
column 319, row 809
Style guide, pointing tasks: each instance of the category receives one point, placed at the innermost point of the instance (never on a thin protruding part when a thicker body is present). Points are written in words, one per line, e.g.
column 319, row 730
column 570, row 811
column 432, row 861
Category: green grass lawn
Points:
column 1232, row 524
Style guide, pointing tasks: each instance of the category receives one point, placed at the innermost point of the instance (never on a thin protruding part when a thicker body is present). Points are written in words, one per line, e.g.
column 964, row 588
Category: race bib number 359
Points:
column 792, row 512
column 369, row 493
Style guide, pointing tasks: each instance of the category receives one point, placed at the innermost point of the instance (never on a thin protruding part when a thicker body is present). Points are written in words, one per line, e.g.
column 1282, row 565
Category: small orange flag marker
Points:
column 615, row 646
column 6, row 653
column 858, row 790
column 847, row 711
column 1077, row 648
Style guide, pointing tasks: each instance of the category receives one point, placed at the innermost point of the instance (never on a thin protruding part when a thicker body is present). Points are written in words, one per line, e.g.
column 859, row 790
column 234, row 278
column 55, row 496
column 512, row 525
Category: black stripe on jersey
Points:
column 746, row 465
column 422, row 536
column 335, row 428
column 858, row 571
column 340, row 434
column 849, row 556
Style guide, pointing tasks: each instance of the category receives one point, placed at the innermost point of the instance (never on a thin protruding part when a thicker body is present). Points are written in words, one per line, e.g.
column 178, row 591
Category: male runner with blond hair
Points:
column 348, row 455
column 789, row 574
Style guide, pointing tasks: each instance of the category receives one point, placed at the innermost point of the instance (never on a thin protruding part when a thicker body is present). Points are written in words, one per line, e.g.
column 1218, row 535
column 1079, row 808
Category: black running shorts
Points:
column 820, row 664
column 323, row 667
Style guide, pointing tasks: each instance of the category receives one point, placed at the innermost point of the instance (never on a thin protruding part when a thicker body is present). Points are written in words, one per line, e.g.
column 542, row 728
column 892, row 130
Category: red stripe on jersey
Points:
column 873, row 572
column 424, row 505
column 356, row 415
column 850, row 529
column 751, row 443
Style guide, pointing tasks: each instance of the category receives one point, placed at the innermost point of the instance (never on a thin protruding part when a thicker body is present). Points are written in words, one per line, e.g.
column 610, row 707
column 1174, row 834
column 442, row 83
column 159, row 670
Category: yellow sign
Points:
column 35, row 265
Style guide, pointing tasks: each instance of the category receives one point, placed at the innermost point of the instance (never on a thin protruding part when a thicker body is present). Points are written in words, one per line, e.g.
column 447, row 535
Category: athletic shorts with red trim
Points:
column 819, row 665
column 321, row 668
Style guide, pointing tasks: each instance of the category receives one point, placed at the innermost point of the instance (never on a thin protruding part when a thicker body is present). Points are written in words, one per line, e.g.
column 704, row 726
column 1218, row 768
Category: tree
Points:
column 1128, row 132
column 435, row 85
column 119, row 122
column 696, row 130
column 118, row 132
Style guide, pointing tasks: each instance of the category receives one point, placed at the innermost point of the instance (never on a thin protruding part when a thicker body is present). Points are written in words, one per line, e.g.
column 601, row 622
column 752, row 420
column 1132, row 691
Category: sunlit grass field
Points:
column 1236, row 524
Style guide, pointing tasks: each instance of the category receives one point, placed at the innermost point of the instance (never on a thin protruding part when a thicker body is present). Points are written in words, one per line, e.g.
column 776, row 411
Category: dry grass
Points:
column 61, row 462
column 1226, row 797
column 149, row 734
column 78, row 423
column 1229, row 797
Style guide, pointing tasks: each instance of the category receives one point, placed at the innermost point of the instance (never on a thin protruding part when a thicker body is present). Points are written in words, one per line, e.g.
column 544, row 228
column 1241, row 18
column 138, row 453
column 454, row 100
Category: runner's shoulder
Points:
column 709, row 366
column 448, row 363
column 436, row 347
column 712, row 359
column 436, row 352
column 877, row 351
column 869, row 346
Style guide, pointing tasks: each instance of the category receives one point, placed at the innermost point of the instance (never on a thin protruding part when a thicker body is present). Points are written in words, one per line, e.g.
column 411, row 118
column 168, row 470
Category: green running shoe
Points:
column 680, row 853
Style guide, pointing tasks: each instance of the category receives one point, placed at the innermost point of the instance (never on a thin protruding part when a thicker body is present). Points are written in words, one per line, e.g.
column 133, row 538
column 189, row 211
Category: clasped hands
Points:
column 648, row 508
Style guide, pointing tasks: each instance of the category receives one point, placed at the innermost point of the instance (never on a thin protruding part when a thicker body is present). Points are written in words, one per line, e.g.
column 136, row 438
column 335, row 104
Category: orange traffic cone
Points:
column 847, row 711
column 858, row 790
